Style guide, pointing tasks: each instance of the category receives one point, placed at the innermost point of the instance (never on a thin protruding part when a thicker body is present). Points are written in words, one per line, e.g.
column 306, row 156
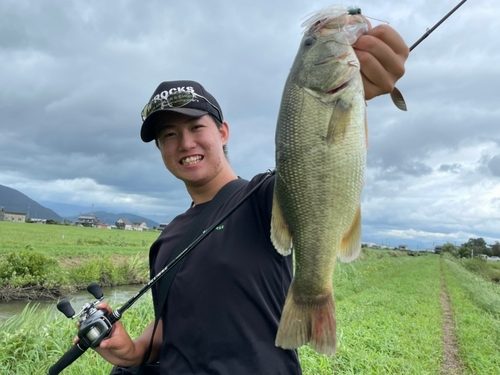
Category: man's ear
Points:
column 224, row 131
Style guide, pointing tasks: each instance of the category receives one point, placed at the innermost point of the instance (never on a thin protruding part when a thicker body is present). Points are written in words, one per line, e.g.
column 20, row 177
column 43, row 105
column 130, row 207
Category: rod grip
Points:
column 67, row 359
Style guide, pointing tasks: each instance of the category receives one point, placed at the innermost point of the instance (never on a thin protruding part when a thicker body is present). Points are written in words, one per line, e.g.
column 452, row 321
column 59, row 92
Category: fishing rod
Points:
column 429, row 31
column 96, row 324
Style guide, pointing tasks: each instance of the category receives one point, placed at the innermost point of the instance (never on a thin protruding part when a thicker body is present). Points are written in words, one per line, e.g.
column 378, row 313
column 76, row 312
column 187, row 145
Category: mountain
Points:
column 15, row 201
column 66, row 209
column 72, row 210
column 110, row 218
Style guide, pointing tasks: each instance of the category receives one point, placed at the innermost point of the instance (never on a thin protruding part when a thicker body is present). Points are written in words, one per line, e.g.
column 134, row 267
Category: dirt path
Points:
column 452, row 364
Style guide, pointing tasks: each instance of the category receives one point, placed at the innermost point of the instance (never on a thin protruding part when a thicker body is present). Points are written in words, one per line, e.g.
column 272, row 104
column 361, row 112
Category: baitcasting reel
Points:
column 95, row 324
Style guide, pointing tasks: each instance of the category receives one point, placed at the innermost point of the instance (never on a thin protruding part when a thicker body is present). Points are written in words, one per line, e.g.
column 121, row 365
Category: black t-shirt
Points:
column 224, row 305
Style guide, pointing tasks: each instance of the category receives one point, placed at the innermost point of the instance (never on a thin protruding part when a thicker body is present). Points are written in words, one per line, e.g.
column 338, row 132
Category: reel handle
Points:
column 95, row 290
column 65, row 307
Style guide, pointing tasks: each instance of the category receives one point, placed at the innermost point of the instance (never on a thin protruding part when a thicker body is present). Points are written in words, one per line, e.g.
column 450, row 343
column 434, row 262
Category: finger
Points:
column 376, row 79
column 390, row 37
column 383, row 53
column 371, row 90
column 105, row 306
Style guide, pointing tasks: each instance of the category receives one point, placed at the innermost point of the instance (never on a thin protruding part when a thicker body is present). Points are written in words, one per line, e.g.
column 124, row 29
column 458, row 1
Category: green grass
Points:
column 34, row 341
column 72, row 241
column 75, row 256
column 476, row 309
column 388, row 319
column 389, row 316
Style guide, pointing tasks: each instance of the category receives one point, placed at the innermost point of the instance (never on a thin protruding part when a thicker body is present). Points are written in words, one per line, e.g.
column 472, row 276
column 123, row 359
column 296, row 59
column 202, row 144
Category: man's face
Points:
column 192, row 148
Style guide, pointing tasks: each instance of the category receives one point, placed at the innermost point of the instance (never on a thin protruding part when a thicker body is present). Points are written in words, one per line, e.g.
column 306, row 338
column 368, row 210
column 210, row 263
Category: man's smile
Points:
column 191, row 160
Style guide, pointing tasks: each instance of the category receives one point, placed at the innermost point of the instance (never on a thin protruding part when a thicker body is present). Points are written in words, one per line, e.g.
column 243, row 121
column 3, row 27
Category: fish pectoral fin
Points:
column 339, row 121
column 351, row 243
column 398, row 100
column 280, row 234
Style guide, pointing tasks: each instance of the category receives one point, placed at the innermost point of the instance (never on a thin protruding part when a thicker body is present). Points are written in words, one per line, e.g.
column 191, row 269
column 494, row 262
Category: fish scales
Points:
column 320, row 162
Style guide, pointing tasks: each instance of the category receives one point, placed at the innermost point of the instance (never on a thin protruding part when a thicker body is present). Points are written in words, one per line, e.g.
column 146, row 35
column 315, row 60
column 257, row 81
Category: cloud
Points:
column 75, row 76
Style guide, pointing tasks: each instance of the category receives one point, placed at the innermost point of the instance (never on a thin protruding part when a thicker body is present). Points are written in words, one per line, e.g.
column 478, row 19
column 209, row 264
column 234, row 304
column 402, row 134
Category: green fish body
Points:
column 320, row 163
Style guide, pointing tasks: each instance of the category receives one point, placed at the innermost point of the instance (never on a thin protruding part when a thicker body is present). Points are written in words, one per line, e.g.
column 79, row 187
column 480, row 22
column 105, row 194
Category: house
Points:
column 16, row 217
column 140, row 226
column 38, row 221
column 102, row 226
column 403, row 247
column 162, row 226
column 437, row 249
column 87, row 220
column 123, row 223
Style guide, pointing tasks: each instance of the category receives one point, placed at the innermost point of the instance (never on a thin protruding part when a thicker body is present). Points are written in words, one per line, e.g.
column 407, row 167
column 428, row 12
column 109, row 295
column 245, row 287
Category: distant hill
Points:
column 110, row 218
column 14, row 201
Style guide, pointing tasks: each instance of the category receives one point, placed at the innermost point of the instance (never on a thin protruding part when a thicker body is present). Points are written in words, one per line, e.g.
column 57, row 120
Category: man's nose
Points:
column 187, row 141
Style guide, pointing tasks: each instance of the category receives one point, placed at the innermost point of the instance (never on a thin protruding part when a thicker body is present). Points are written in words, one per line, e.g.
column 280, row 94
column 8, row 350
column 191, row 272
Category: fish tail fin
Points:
column 280, row 234
column 312, row 322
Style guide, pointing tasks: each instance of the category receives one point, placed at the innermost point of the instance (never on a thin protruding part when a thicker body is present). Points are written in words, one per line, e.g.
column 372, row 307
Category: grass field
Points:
column 389, row 312
column 78, row 256
column 71, row 241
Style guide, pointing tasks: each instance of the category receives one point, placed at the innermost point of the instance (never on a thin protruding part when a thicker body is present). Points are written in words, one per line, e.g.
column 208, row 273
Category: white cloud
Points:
column 75, row 76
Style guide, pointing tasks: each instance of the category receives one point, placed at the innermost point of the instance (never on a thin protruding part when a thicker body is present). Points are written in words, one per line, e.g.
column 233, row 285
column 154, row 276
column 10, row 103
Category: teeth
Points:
column 191, row 160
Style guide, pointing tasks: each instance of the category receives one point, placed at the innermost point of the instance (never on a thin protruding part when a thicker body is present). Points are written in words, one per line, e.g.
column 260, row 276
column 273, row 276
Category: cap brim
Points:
column 149, row 126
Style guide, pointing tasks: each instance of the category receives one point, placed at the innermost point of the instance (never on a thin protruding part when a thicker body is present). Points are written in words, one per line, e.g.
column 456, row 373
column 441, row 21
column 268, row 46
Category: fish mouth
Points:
column 339, row 88
column 332, row 58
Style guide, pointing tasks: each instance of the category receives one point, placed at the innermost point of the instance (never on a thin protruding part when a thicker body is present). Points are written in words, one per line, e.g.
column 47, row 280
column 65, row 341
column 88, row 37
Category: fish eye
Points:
column 309, row 41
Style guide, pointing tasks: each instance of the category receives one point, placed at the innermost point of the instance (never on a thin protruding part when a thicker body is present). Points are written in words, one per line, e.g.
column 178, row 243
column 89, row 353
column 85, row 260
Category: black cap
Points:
column 199, row 103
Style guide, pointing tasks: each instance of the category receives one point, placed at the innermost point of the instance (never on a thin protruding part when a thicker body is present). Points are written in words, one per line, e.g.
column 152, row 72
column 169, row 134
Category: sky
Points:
column 76, row 74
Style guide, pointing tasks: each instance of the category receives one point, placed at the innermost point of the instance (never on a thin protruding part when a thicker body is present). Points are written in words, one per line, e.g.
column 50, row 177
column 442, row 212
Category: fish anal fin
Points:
column 302, row 322
column 280, row 234
column 350, row 246
column 398, row 100
column 339, row 121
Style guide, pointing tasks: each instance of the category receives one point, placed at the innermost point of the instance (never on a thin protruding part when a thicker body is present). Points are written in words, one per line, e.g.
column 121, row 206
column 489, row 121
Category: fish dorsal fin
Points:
column 280, row 234
column 339, row 121
column 350, row 246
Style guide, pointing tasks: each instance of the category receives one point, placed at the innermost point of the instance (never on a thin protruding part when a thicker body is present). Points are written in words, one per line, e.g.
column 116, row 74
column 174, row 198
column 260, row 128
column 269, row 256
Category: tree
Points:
column 477, row 246
column 495, row 249
column 448, row 247
column 464, row 251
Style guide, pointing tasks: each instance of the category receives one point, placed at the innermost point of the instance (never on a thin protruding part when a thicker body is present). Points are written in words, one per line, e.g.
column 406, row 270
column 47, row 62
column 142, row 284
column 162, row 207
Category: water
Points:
column 114, row 295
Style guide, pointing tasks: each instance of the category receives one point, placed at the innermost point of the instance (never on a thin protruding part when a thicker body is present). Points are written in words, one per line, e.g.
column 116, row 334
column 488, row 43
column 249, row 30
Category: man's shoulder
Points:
column 268, row 176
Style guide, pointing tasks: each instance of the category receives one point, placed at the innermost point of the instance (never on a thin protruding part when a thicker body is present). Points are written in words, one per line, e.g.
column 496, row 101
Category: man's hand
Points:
column 382, row 54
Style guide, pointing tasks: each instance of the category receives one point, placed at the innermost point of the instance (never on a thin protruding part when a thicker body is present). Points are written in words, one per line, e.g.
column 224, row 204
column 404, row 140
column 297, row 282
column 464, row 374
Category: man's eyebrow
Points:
column 163, row 127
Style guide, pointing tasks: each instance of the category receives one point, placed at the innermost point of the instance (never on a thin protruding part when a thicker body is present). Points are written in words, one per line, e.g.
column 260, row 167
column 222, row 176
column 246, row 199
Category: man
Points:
column 224, row 305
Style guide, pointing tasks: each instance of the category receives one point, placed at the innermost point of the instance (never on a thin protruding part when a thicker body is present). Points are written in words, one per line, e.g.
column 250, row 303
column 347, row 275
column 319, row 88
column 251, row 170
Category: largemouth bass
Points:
column 320, row 163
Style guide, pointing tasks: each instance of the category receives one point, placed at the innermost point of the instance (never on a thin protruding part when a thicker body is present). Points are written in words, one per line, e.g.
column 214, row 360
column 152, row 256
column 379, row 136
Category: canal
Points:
column 113, row 295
